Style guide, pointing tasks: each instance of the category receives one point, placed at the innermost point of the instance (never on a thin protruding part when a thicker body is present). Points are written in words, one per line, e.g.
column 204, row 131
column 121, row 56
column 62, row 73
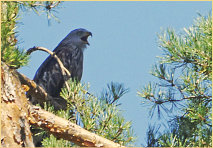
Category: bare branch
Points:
column 64, row 71
column 67, row 130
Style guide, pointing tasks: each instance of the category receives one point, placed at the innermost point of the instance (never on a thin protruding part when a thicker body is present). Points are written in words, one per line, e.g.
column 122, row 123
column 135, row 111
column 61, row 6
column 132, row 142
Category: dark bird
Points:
column 70, row 52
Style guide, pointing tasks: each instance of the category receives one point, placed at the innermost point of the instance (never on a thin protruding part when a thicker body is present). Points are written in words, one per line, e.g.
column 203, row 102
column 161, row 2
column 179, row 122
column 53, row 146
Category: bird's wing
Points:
column 49, row 75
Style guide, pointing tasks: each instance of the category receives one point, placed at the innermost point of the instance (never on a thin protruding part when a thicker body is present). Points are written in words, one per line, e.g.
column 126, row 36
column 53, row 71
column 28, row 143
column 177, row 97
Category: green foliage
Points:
column 98, row 115
column 10, row 54
column 54, row 142
column 194, row 47
column 114, row 92
column 184, row 90
column 40, row 7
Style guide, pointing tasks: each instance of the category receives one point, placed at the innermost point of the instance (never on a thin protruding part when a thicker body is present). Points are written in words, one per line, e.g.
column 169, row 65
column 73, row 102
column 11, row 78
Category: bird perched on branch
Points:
column 70, row 52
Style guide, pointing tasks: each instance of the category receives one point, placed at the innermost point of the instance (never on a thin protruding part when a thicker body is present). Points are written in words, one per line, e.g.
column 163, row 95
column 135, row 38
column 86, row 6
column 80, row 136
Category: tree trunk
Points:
column 15, row 127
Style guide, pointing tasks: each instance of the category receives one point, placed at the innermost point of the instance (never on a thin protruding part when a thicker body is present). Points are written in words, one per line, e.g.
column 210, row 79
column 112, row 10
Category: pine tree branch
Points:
column 62, row 128
column 33, row 89
column 36, row 91
column 57, row 126
column 185, row 98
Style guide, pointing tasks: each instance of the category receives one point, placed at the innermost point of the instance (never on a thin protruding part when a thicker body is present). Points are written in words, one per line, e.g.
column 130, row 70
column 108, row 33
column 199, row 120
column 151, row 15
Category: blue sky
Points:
column 123, row 48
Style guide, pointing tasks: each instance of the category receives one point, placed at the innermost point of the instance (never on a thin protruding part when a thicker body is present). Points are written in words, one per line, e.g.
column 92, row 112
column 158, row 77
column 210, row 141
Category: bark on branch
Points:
column 33, row 89
column 37, row 91
column 67, row 130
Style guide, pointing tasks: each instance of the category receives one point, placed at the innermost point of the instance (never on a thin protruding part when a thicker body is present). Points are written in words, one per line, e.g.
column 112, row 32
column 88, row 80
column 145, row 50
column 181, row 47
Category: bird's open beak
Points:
column 84, row 38
column 90, row 34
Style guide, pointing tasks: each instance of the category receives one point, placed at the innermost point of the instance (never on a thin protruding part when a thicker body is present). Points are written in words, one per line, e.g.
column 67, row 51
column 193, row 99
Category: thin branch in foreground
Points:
column 64, row 71
column 67, row 130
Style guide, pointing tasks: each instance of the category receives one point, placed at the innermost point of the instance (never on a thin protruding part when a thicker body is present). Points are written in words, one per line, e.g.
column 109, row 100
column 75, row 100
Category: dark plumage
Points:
column 70, row 52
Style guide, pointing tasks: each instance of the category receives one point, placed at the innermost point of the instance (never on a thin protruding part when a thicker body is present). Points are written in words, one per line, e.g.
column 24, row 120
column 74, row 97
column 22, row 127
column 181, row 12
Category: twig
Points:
column 185, row 98
column 64, row 71
column 54, row 4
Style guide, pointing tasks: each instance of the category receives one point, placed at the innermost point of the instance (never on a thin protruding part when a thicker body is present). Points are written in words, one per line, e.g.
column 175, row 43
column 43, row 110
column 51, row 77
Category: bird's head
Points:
column 78, row 37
